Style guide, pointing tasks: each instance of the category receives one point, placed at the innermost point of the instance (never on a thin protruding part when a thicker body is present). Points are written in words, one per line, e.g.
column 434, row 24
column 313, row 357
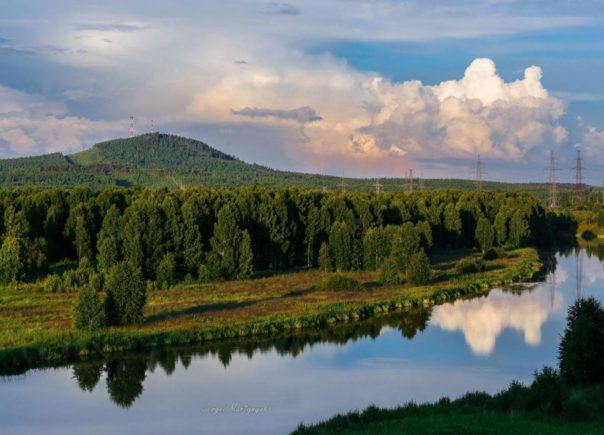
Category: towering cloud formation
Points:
column 457, row 118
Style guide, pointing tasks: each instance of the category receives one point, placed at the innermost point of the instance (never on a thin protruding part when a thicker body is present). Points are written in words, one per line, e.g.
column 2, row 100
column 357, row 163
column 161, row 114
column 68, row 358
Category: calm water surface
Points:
column 269, row 386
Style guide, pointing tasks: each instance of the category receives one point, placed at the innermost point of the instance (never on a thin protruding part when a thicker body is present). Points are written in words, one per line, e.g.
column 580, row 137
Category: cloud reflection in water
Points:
column 482, row 320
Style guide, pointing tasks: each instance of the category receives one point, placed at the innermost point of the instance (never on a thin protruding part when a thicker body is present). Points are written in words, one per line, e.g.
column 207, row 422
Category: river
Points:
column 271, row 385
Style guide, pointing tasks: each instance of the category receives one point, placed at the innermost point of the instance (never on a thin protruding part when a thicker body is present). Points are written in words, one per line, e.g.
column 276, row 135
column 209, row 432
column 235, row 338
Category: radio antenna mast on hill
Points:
column 553, row 187
column 479, row 173
column 579, row 183
column 152, row 126
column 131, row 125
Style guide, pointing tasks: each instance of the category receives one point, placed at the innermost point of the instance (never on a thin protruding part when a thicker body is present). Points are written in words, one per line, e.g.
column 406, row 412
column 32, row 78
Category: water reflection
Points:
column 311, row 375
column 482, row 320
column 125, row 375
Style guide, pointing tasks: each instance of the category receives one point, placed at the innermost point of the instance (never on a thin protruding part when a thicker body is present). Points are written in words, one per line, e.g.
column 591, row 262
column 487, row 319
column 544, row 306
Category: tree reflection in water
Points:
column 125, row 375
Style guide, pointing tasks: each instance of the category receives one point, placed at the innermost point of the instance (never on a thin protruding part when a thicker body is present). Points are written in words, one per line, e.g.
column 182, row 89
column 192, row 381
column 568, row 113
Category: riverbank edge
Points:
column 74, row 346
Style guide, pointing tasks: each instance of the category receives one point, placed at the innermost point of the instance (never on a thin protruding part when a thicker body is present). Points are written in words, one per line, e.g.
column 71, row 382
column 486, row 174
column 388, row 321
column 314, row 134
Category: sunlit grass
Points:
column 31, row 319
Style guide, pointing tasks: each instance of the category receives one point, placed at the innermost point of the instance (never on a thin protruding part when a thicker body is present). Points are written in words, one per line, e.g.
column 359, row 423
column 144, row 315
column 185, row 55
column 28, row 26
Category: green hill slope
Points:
column 162, row 160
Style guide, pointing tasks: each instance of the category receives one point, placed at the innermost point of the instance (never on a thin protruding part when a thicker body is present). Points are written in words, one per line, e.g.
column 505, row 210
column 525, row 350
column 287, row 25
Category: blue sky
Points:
column 347, row 87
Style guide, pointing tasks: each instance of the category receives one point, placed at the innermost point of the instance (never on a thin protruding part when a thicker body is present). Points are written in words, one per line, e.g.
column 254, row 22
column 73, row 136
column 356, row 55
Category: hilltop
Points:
column 163, row 160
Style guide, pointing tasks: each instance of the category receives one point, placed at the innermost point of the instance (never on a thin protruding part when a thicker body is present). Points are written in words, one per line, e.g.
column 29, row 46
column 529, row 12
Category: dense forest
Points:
column 224, row 234
column 162, row 160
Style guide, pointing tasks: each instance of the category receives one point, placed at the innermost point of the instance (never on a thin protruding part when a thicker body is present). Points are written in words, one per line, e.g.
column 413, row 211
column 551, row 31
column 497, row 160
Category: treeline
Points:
column 225, row 234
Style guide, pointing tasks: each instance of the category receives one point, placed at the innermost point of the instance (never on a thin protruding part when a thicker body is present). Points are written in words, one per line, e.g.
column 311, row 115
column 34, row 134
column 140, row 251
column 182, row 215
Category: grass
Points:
column 448, row 418
column 37, row 328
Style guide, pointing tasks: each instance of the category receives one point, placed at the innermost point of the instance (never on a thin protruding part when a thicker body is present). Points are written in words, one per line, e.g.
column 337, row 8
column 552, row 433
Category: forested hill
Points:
column 162, row 160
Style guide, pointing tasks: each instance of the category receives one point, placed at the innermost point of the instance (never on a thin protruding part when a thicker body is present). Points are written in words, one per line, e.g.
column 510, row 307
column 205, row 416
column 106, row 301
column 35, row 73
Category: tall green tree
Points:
column 245, row 268
column 341, row 245
column 12, row 259
column 501, row 228
column 325, row 262
column 405, row 242
column 110, row 240
column 193, row 241
column 582, row 345
column 519, row 229
column 226, row 241
column 376, row 248
column 484, row 234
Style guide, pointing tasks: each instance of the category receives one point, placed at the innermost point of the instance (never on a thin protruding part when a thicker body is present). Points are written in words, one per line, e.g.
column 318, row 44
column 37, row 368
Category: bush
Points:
column 582, row 345
column 547, row 392
column 53, row 284
column 418, row 271
column 389, row 272
column 514, row 399
column 494, row 253
column 203, row 274
column 576, row 407
column 88, row 310
column 126, row 295
column 76, row 278
column 469, row 265
column 342, row 283
column 165, row 274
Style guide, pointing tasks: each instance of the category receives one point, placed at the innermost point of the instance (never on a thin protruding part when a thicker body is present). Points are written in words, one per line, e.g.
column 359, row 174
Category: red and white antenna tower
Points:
column 131, row 125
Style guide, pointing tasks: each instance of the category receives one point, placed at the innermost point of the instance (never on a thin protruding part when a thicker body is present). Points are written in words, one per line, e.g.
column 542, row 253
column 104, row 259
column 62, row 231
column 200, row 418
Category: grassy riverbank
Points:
column 475, row 413
column 37, row 328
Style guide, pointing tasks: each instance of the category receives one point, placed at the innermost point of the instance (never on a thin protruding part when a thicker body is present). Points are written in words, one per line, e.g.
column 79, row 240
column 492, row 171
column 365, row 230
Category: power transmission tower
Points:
column 422, row 182
column 131, row 125
column 479, row 173
column 553, row 187
column 579, row 194
column 378, row 186
column 342, row 184
column 409, row 182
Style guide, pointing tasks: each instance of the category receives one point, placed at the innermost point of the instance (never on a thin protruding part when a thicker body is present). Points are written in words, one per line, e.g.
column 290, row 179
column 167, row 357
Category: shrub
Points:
column 96, row 281
column 418, row 271
column 88, row 310
column 576, row 407
column 469, row 265
column 582, row 345
column 389, row 272
column 53, row 284
column 126, row 295
column 341, row 282
column 547, row 392
column 76, row 278
column 514, row 399
column 494, row 253
column 165, row 274
column 203, row 274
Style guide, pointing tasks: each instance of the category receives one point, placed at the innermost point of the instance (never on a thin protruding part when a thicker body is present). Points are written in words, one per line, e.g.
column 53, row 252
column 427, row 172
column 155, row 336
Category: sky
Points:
column 344, row 87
